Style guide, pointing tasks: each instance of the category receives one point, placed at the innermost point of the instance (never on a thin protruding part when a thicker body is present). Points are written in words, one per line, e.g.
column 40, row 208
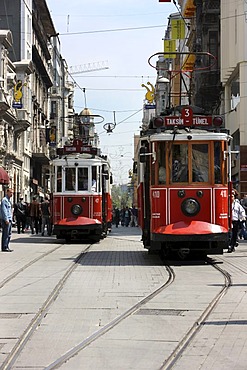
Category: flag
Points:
column 169, row 46
column 178, row 29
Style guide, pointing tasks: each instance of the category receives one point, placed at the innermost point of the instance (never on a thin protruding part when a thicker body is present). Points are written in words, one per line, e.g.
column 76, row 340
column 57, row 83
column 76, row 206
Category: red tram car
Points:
column 183, row 190
column 81, row 194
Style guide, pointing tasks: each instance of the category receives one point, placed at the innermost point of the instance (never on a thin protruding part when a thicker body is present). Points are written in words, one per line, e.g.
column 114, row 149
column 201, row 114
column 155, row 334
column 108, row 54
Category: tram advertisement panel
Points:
column 221, row 207
column 158, row 207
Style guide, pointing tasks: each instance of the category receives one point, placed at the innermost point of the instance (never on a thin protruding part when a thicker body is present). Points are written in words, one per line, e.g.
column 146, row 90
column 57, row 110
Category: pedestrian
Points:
column 127, row 216
column 7, row 218
column 28, row 217
column 46, row 216
column 117, row 216
column 238, row 215
column 35, row 215
column 243, row 231
column 134, row 214
column 20, row 209
column 122, row 212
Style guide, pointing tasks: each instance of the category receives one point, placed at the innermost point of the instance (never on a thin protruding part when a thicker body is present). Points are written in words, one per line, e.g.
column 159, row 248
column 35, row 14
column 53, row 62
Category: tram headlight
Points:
column 190, row 207
column 76, row 209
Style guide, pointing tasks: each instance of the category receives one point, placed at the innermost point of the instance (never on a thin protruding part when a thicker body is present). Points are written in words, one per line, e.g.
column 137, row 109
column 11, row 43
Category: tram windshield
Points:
column 77, row 178
column 200, row 163
column 179, row 171
column 82, row 179
column 189, row 162
column 70, row 178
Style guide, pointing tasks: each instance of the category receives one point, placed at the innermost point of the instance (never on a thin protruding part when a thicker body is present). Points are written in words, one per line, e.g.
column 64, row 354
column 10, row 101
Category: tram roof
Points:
column 194, row 135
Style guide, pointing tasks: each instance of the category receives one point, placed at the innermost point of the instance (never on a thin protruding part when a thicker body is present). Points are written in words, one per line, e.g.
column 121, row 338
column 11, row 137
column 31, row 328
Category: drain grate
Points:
column 161, row 311
column 10, row 315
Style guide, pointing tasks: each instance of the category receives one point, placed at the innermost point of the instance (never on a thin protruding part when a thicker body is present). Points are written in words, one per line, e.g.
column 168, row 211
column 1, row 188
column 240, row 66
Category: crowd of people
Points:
column 34, row 217
column 125, row 216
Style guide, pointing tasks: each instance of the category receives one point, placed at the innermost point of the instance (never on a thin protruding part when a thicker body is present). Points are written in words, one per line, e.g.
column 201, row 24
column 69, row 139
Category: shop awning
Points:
column 4, row 177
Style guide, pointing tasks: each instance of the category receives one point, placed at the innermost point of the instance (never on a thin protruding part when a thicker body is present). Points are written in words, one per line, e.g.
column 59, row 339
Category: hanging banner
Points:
column 51, row 136
column 17, row 102
column 169, row 47
column 178, row 29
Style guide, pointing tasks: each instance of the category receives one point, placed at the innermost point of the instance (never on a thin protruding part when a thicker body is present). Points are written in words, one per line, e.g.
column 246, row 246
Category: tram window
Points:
column 200, row 167
column 217, row 171
column 59, row 179
column 179, row 171
column 94, row 178
column 70, row 179
column 83, row 178
column 162, row 163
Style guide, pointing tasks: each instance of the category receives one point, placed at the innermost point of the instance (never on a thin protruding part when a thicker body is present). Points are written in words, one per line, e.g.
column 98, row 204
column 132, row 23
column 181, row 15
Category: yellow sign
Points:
column 189, row 62
column 169, row 47
column 150, row 92
column 178, row 29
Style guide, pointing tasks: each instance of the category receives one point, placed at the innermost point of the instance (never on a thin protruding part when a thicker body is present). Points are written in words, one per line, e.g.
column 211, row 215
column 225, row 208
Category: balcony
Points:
column 23, row 121
column 4, row 102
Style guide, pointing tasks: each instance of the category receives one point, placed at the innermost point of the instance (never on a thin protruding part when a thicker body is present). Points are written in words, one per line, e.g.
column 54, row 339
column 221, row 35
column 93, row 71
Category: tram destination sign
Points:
column 69, row 149
column 181, row 121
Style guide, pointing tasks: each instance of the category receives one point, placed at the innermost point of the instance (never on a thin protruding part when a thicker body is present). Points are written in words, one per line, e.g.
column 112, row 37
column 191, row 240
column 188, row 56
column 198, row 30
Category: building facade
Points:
column 44, row 112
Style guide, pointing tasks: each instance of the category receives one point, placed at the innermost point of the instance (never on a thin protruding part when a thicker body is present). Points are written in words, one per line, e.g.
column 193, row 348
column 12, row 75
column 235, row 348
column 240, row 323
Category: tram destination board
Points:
column 180, row 121
column 77, row 149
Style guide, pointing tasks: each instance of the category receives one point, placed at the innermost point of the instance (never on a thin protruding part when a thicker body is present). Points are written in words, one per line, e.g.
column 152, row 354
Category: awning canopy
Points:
column 4, row 177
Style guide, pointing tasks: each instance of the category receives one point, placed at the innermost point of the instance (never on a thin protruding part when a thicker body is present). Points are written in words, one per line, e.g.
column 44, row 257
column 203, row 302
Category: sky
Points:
column 121, row 35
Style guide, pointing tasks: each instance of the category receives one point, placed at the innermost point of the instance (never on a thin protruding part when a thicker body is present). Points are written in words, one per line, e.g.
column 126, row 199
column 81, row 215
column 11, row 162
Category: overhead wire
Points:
column 111, row 30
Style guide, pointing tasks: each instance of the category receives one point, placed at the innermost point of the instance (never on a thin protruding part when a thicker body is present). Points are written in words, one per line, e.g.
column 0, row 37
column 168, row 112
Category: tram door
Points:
column 105, row 177
column 144, row 193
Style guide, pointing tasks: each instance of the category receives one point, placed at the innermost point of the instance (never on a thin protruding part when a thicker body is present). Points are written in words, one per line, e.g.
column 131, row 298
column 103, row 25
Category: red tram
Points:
column 183, row 190
column 81, row 194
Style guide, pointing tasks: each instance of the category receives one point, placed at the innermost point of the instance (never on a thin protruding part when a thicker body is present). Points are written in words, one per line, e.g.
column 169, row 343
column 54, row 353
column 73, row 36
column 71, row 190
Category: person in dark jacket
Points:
column 35, row 215
column 20, row 209
column 46, row 216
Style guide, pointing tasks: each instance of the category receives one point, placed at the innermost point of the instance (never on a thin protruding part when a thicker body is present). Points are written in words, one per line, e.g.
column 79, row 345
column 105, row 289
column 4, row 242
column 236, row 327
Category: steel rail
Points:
column 183, row 344
column 23, row 268
column 14, row 353
column 112, row 324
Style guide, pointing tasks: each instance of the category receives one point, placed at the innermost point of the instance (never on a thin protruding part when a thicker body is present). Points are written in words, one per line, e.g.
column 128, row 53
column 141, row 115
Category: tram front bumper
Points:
column 198, row 235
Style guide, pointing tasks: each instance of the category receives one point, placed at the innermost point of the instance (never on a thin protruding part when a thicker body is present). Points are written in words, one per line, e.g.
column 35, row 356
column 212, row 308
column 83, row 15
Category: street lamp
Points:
column 109, row 127
column 163, row 89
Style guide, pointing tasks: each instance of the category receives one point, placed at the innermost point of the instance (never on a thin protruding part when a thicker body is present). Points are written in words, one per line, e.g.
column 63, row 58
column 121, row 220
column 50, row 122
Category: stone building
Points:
column 43, row 114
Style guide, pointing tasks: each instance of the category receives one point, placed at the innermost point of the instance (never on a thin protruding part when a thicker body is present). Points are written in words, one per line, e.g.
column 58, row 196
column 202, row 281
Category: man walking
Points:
column 6, row 211
column 20, row 209
column 46, row 214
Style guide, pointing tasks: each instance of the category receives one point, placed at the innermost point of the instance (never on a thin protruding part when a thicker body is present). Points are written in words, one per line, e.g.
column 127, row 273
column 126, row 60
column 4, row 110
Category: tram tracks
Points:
column 168, row 363
column 186, row 340
column 26, row 335
column 27, row 265
column 112, row 324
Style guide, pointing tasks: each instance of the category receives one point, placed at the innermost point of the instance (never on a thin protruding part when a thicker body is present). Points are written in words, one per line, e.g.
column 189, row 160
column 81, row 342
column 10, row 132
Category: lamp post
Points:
column 162, row 94
column 85, row 126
